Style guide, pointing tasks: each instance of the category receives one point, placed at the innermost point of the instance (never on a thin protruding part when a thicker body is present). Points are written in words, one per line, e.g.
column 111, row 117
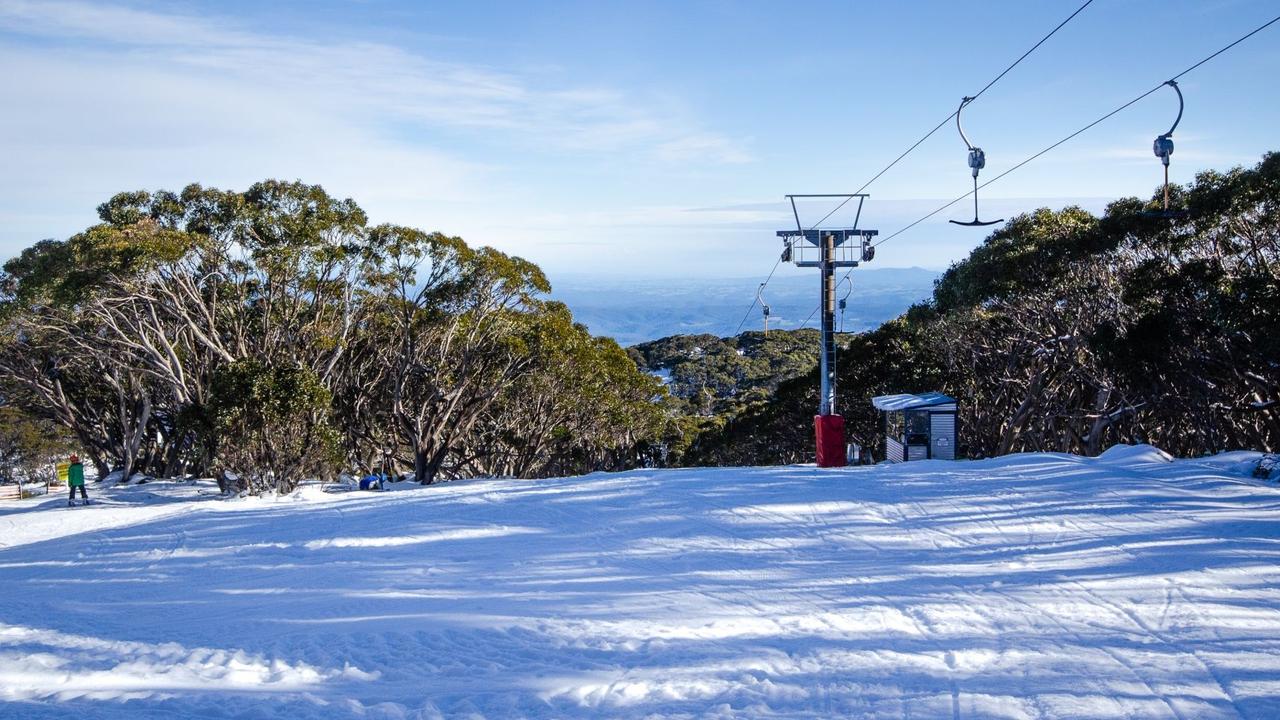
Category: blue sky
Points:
column 650, row 138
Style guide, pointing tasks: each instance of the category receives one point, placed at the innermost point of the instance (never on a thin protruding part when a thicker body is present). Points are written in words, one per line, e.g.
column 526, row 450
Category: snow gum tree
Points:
column 151, row 335
column 273, row 426
column 581, row 404
column 30, row 446
column 451, row 336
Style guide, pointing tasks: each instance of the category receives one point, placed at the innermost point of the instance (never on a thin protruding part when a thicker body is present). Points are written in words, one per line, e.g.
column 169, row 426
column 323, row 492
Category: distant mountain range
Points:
column 635, row 310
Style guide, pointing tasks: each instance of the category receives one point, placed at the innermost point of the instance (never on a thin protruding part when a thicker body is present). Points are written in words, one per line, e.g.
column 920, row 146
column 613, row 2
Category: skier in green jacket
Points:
column 75, row 479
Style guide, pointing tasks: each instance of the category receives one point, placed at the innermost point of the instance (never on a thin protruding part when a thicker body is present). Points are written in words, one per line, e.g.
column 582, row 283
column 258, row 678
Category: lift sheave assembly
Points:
column 827, row 249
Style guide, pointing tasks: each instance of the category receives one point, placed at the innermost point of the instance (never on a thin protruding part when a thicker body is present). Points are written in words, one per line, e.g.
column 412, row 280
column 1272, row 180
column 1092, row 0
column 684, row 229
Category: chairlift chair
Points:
column 977, row 161
column 844, row 299
column 1163, row 149
column 764, row 307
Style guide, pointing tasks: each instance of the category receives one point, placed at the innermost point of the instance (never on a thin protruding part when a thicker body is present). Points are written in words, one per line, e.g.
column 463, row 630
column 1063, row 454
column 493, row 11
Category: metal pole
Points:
column 1166, row 187
column 827, row 359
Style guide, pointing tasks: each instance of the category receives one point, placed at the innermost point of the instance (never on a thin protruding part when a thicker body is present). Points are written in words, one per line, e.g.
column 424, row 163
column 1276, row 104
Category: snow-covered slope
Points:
column 1038, row 586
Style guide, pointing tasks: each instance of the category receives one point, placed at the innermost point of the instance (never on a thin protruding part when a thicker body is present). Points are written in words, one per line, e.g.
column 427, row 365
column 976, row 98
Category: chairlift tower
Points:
column 828, row 249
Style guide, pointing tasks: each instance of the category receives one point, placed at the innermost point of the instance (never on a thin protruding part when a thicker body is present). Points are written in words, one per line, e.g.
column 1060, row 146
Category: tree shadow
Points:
column 1059, row 588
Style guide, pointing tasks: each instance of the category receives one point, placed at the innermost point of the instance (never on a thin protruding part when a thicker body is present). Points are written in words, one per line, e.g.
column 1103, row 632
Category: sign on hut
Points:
column 917, row 427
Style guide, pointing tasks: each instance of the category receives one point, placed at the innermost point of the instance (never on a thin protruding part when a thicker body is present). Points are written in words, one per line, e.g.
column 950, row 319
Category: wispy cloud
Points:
column 370, row 83
column 702, row 146
column 104, row 97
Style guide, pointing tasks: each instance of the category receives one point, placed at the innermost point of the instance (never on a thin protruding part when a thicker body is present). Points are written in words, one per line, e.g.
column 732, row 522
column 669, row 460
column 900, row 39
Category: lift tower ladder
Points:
column 828, row 249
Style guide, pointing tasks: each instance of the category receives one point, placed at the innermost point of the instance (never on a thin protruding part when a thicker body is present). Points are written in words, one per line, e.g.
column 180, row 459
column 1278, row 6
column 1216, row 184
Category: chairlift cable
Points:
column 1033, row 49
column 1055, row 145
column 1096, row 122
column 1019, row 165
column 1123, row 107
column 1255, row 31
column 756, row 299
column 939, row 126
column 919, row 142
column 952, row 116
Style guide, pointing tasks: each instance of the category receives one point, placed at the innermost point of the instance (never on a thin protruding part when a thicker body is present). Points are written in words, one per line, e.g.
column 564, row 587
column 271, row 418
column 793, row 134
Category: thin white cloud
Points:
column 102, row 98
column 370, row 83
column 702, row 146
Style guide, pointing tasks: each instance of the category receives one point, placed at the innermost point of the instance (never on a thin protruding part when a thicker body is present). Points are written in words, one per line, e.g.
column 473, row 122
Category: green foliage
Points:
column 885, row 360
column 1067, row 332
column 264, row 330
column 580, row 404
column 713, row 376
column 1026, row 253
column 30, row 446
column 720, row 389
column 272, row 424
column 66, row 272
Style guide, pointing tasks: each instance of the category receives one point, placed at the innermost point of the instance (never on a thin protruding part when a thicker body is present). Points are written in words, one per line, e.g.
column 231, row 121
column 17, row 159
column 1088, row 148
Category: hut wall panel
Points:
column 893, row 450
column 942, row 432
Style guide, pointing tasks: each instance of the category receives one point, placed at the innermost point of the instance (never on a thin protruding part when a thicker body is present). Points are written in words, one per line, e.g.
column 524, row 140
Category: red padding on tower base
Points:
column 830, row 434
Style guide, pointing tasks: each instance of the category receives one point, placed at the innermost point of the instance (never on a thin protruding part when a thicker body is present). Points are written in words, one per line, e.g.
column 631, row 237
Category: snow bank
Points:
column 1031, row 586
column 1134, row 455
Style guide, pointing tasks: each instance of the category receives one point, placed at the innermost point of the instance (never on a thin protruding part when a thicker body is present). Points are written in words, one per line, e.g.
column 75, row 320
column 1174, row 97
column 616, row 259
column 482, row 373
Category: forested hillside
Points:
column 710, row 381
column 1069, row 332
column 276, row 335
column 707, row 375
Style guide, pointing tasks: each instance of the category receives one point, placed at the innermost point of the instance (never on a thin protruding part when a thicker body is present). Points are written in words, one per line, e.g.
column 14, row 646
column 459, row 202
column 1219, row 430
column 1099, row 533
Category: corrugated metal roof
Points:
column 907, row 401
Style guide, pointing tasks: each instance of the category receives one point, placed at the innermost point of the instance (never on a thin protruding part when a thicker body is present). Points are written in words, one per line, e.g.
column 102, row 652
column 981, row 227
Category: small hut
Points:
column 917, row 427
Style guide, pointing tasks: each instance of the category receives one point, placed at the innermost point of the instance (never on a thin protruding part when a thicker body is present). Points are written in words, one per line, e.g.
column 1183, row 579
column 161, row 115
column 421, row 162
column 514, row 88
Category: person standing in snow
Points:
column 75, row 479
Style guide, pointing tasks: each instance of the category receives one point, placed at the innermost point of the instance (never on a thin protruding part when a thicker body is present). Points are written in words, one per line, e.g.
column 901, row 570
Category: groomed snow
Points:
column 1033, row 586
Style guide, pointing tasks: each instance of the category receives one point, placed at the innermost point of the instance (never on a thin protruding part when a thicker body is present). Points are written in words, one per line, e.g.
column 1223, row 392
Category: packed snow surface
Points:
column 1032, row 586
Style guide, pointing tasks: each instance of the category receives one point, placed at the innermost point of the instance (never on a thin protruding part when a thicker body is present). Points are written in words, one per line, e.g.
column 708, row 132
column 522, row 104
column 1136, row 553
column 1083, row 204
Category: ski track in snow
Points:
column 1031, row 586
